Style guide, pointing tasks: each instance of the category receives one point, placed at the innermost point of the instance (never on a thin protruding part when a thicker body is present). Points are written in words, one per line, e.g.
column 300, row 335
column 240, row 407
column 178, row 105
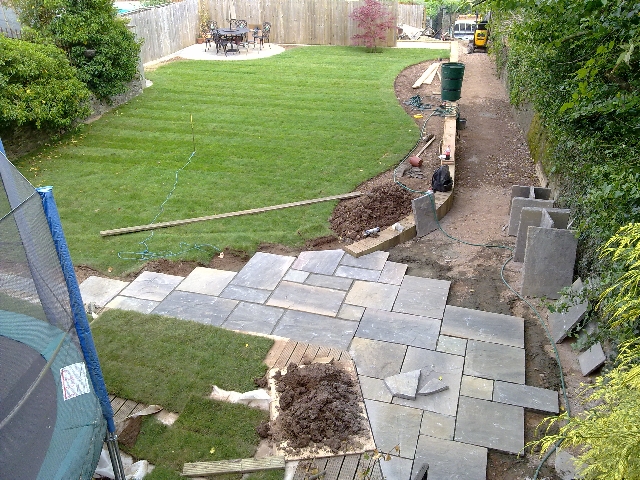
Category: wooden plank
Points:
column 334, row 464
column 116, row 403
column 349, row 467
column 241, row 465
column 175, row 223
column 283, row 359
column 124, row 411
column 273, row 355
column 297, row 353
column 311, row 353
column 376, row 471
column 432, row 68
column 432, row 75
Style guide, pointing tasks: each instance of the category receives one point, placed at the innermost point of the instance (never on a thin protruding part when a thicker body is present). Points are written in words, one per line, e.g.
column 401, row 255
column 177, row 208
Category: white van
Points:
column 464, row 29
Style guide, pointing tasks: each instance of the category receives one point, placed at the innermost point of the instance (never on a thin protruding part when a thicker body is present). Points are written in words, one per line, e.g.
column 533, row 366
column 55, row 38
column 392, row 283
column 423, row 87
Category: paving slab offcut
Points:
column 394, row 425
column 526, row 396
column 133, row 304
column 490, row 424
column 591, row 359
column 317, row 329
column 484, row 326
column 437, row 425
column 372, row 261
column 399, row 328
column 495, row 362
column 100, row 290
column 247, row 294
column 263, row 270
column 450, row 460
column 392, row 273
column 562, row 323
column 374, row 389
column 307, row 298
column 357, row 273
column 324, row 262
column 403, row 385
column 377, row 359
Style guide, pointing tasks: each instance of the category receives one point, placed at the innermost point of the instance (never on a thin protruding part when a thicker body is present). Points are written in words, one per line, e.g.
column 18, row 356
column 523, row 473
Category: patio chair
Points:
column 266, row 32
column 209, row 37
column 245, row 38
column 221, row 42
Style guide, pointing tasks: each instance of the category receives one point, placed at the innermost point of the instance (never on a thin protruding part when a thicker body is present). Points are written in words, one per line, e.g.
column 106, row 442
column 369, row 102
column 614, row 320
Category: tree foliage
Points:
column 38, row 87
column 96, row 41
column 375, row 20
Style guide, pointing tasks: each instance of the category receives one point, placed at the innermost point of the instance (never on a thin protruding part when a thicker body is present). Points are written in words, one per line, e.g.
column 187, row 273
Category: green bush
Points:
column 38, row 87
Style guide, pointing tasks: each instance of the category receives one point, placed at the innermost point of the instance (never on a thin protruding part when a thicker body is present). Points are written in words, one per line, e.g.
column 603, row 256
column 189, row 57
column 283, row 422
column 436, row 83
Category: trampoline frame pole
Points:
column 114, row 454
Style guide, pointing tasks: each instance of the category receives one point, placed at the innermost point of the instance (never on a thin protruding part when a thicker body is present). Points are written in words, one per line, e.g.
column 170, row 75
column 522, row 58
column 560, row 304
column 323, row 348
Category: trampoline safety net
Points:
column 54, row 409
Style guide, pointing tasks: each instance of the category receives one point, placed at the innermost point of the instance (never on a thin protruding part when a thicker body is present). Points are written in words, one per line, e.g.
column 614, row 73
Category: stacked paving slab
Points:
column 391, row 323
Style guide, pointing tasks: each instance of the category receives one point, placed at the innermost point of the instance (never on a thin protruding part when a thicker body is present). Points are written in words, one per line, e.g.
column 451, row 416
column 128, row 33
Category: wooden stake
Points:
column 174, row 223
column 425, row 146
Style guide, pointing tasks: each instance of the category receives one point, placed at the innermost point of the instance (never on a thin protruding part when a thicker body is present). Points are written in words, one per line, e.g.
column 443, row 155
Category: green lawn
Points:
column 311, row 122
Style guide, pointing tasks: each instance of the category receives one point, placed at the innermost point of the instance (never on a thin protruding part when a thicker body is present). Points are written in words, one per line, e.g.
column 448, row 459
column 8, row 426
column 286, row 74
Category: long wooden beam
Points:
column 174, row 223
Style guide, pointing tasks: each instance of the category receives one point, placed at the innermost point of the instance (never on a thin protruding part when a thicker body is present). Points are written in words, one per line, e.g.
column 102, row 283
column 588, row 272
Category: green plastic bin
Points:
column 452, row 75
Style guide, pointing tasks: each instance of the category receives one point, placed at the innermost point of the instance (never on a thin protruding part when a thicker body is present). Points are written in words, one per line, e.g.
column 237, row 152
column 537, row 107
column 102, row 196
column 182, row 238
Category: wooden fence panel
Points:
column 411, row 15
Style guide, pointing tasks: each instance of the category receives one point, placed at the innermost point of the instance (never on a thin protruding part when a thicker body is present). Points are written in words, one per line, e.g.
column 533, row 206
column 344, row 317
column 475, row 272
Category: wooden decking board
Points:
column 116, row 403
column 297, row 353
column 242, row 465
column 323, row 352
column 334, row 464
column 349, row 467
column 283, row 359
column 274, row 353
column 311, row 353
column 125, row 410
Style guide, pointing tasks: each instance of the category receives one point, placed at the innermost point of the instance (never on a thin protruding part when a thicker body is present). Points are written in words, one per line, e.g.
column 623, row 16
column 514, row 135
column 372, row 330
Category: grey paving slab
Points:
column 263, row 270
column 208, row 281
column 517, row 204
column 321, row 261
column 452, row 345
column 526, row 396
column 393, row 425
column 423, row 209
column 338, row 283
column 591, row 359
column 196, row 307
column 377, row 359
column 397, row 467
column 392, row 273
column 485, row 326
column 433, row 386
column 560, row 324
column 399, row 328
column 495, row 362
column 422, row 296
column 152, row 286
column 403, row 385
column 490, row 424
column 100, row 290
column 374, row 389
column 296, row 276
column 372, row 295
column 350, row 312
column 247, row 294
column 316, row 329
column 132, row 304
column 437, row 425
column 357, row 273
column 476, row 387
column 450, row 460
column 371, row 261
column 307, row 298
column 565, row 465
column 251, row 317
column 434, row 365
column 537, row 217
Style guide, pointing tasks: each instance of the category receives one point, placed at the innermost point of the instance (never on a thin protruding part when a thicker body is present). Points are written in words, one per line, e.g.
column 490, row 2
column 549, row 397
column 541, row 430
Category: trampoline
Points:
column 55, row 412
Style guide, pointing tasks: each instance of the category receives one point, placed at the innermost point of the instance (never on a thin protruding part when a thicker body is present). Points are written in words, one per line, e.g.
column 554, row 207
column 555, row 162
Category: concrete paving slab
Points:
column 445, row 459
column 485, row 326
column 357, row 273
column 591, row 359
column 132, row 304
column 379, row 296
column 535, row 217
column 152, row 286
column 392, row 273
column 495, row 362
column 307, row 298
column 397, row 467
column 476, row 387
column 350, row 312
column 207, row 281
column 251, row 317
column 337, row 283
column 424, row 215
column 434, row 365
column 490, row 424
column 296, row 276
column 263, row 270
column 565, row 465
column 374, row 389
column 433, row 386
column 377, row 359
column 394, row 425
column 399, row 328
column 321, row 261
column 246, row 294
column 526, row 396
column 372, row 261
column 196, row 307
column 438, row 426
column 517, row 204
column 560, row 324
column 100, row 290
column 403, row 385
column 422, row 296
column 452, row 345
column 316, row 329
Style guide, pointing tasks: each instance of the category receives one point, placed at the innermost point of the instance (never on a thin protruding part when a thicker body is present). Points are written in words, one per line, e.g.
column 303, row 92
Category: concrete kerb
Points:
column 390, row 237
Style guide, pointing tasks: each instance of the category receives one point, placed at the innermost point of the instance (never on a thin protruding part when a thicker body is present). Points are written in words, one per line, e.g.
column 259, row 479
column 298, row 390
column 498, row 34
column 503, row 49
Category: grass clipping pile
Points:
column 318, row 410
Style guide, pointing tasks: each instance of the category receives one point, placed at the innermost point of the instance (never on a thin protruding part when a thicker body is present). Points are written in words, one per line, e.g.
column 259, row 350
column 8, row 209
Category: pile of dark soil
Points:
column 320, row 405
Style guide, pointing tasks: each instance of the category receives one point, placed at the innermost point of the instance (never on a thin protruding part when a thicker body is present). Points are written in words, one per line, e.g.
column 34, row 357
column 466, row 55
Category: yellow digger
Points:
column 480, row 38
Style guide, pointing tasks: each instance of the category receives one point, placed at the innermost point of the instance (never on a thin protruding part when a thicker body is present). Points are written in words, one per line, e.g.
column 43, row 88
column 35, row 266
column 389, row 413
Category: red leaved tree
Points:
column 375, row 20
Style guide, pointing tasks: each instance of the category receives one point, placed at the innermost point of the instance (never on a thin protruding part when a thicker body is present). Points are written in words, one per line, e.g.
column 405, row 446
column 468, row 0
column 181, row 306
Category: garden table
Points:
column 234, row 36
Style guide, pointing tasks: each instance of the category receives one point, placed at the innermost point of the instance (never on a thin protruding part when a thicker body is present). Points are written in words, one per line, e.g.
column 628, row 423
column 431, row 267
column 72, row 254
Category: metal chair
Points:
column 256, row 38
column 209, row 37
column 266, row 32
column 221, row 42
column 245, row 38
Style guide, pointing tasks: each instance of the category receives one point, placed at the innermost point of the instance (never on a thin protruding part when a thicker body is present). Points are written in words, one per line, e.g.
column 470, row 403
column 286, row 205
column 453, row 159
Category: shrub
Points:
column 38, row 87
